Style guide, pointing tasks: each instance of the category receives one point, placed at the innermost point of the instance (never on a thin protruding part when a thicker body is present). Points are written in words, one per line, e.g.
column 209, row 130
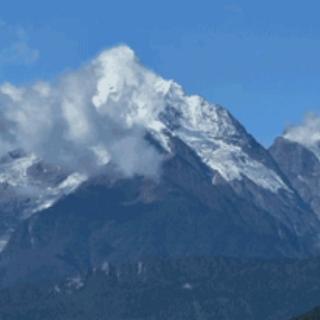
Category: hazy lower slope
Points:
column 190, row 288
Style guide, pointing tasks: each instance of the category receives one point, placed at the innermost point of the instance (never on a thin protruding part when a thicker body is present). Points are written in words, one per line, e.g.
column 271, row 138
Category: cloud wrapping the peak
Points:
column 87, row 118
column 307, row 133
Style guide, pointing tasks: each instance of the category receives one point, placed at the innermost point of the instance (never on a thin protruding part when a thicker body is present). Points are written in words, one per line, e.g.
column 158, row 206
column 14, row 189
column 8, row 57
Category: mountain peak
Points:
column 128, row 91
column 112, row 102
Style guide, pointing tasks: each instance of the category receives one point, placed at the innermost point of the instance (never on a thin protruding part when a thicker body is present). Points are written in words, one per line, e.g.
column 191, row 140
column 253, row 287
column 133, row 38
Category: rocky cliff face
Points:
column 302, row 167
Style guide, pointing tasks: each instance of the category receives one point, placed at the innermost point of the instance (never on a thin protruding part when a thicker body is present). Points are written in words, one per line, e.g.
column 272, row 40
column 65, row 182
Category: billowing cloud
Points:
column 15, row 47
column 86, row 118
column 307, row 133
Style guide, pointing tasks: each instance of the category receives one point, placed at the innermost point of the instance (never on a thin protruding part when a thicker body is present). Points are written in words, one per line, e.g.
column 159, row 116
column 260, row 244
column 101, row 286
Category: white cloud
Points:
column 307, row 133
column 14, row 46
column 87, row 118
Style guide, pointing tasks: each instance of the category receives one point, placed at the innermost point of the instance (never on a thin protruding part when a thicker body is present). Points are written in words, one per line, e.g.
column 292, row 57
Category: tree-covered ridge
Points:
column 174, row 289
column 312, row 315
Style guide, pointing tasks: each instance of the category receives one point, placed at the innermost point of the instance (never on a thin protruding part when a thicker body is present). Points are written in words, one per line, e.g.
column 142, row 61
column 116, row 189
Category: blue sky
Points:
column 260, row 59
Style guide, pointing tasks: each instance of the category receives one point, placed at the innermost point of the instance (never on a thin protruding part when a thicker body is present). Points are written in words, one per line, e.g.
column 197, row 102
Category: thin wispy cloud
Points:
column 233, row 8
column 15, row 48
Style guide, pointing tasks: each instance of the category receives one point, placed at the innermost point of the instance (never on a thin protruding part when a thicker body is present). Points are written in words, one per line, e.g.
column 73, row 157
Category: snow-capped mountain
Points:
column 178, row 176
column 116, row 86
column 132, row 95
column 136, row 96
column 27, row 186
column 162, row 107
